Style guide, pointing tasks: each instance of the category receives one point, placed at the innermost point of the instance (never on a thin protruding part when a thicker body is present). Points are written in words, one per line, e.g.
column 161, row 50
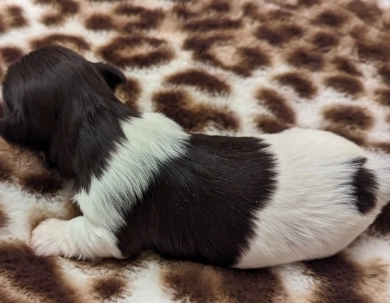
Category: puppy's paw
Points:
column 49, row 238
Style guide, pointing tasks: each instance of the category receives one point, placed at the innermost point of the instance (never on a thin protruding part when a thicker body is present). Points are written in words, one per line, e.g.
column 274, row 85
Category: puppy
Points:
column 143, row 183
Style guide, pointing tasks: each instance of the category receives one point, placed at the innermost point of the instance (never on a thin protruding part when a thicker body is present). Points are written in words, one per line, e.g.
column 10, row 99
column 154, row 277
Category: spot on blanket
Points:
column 252, row 286
column 212, row 24
column 298, row 82
column 346, row 66
column 383, row 96
column 365, row 11
column 98, row 22
column 129, row 92
column 269, row 125
column 178, row 106
column 338, row 278
column 382, row 222
column 35, row 274
column 201, row 80
column 277, row 105
column 194, row 282
column 109, row 288
column 350, row 116
column 65, row 6
column 384, row 72
column 136, row 51
column 305, row 58
column 11, row 54
column 324, row 41
column 46, row 183
column 3, row 219
column 74, row 42
column 331, row 18
column 6, row 170
column 16, row 17
column 345, row 84
column 140, row 17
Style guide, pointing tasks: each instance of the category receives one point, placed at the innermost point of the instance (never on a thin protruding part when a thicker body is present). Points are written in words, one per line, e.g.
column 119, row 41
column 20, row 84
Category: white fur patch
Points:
column 150, row 141
column 311, row 214
column 77, row 238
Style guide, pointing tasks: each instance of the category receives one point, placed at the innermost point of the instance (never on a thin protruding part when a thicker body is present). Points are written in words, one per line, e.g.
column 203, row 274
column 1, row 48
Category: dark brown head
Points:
column 49, row 87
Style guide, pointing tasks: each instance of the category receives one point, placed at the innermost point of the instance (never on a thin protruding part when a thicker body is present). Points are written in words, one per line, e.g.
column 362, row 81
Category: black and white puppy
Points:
column 142, row 182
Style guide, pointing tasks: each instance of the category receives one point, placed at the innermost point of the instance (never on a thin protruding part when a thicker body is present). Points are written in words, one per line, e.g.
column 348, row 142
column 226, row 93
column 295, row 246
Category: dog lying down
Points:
column 143, row 183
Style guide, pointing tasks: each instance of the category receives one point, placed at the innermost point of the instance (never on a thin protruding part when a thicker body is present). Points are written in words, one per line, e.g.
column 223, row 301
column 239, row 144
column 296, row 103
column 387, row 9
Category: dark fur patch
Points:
column 177, row 106
column 338, row 279
column 299, row 82
column 345, row 65
column 11, row 54
column 303, row 58
column 159, row 53
column 199, row 206
column 34, row 274
column 365, row 186
column 99, row 22
column 324, row 41
column 277, row 105
column 345, row 84
column 350, row 116
column 201, row 80
column 109, row 288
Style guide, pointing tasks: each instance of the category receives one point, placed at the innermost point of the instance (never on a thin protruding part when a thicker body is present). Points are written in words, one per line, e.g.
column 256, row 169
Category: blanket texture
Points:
column 236, row 67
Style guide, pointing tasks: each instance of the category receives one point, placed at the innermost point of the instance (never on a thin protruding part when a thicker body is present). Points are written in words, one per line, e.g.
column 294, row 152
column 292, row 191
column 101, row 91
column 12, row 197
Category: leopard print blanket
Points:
column 229, row 67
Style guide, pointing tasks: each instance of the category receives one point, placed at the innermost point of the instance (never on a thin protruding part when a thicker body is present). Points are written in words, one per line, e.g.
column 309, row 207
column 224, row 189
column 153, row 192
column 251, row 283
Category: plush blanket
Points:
column 236, row 67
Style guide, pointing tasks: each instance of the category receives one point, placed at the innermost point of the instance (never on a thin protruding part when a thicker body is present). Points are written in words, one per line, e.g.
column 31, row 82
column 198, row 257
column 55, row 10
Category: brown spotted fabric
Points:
column 219, row 67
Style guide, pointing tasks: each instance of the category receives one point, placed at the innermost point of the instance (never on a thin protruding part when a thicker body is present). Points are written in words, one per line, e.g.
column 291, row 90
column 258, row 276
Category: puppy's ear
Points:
column 111, row 74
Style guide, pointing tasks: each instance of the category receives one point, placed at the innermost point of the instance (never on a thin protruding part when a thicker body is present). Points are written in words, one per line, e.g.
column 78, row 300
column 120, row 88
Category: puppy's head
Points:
column 50, row 91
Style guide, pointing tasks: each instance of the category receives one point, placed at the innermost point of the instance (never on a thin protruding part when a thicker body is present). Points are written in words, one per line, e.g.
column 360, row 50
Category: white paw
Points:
column 49, row 238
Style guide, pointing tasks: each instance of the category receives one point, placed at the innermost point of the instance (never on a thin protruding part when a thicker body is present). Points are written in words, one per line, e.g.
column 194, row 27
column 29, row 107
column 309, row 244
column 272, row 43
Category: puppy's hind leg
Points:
column 76, row 238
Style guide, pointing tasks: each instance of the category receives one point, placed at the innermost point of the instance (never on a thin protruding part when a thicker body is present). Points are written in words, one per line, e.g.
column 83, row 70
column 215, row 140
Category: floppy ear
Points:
column 16, row 132
column 111, row 74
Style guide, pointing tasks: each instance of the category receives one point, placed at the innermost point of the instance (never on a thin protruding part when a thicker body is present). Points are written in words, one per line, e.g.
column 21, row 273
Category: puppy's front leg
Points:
column 77, row 238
